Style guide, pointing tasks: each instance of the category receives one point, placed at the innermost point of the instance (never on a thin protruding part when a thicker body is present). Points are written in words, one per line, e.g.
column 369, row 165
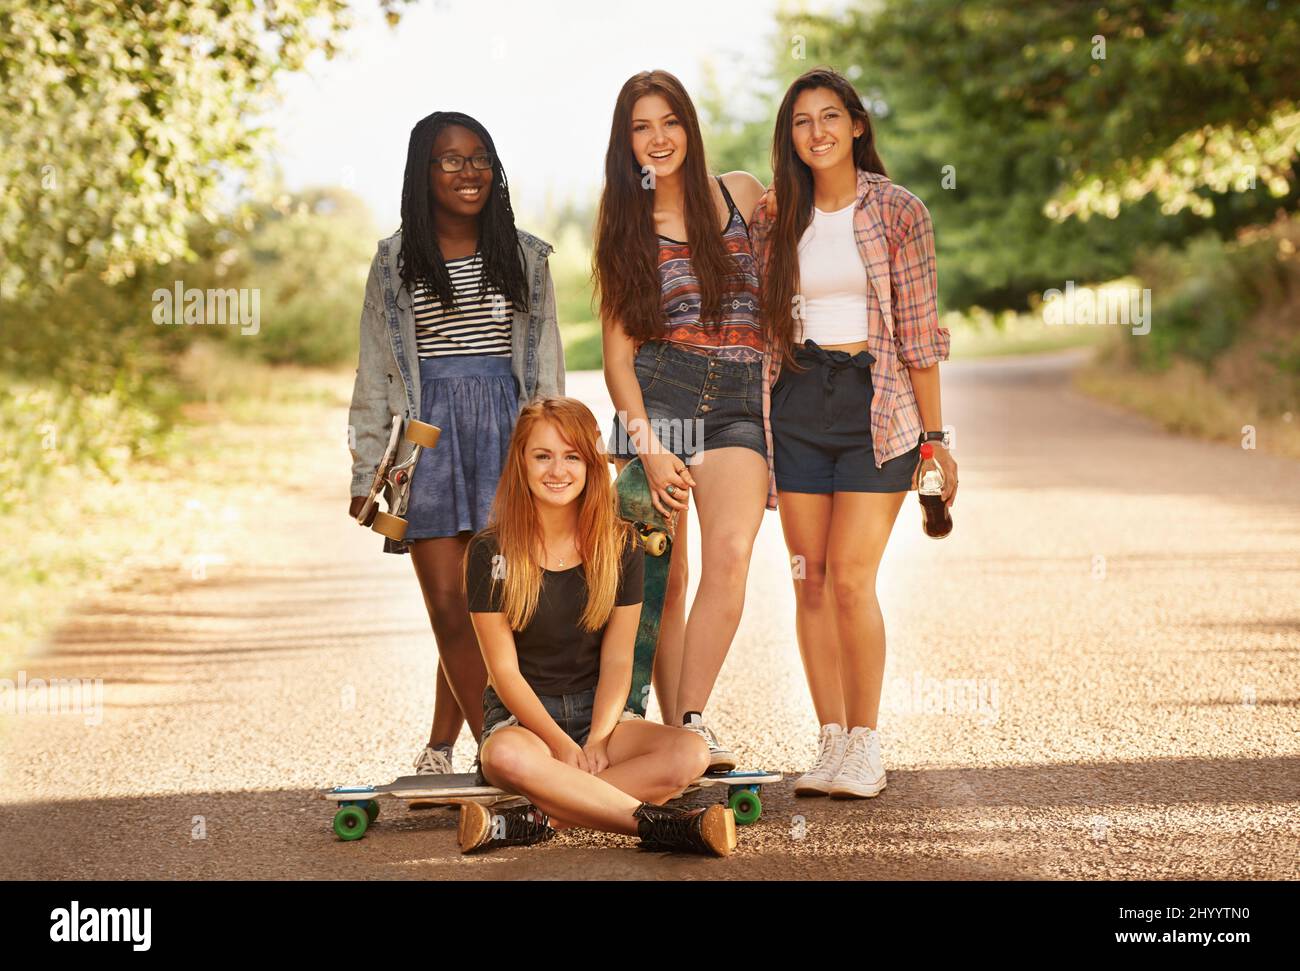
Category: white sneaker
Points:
column 432, row 762
column 862, row 773
column 830, row 753
column 721, row 759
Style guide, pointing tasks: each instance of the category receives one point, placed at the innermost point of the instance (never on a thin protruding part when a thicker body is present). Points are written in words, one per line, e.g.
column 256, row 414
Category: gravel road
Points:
column 1095, row 676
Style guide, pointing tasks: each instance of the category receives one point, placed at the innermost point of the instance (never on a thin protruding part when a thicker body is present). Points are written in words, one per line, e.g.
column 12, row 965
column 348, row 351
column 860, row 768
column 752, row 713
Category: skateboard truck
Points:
column 394, row 478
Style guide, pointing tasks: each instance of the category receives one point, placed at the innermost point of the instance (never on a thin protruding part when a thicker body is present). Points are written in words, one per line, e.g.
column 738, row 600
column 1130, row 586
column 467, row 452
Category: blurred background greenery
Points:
column 1150, row 142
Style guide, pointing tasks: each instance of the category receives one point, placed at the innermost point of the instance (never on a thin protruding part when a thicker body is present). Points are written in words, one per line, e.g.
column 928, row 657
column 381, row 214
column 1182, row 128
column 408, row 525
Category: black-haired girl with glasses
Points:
column 458, row 330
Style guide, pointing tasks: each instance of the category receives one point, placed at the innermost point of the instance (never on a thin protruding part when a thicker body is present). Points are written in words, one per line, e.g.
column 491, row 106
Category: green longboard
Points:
column 656, row 537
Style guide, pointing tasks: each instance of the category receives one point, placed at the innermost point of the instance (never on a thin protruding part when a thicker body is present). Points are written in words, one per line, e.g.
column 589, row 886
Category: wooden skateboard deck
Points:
column 359, row 805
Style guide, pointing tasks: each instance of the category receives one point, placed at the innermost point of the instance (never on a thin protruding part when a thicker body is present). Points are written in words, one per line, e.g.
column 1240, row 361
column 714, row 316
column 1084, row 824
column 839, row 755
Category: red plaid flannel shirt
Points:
column 896, row 242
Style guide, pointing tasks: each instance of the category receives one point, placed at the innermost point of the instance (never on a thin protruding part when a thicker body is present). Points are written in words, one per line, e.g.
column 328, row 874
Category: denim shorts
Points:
column 572, row 712
column 821, row 427
column 695, row 402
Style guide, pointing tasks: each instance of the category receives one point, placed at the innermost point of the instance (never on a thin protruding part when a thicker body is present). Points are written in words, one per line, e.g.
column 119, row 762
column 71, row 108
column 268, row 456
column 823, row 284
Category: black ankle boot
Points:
column 711, row 831
column 520, row 826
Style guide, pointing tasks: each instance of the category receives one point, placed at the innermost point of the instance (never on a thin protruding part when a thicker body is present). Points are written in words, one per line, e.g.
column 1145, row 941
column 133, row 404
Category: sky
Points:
column 541, row 77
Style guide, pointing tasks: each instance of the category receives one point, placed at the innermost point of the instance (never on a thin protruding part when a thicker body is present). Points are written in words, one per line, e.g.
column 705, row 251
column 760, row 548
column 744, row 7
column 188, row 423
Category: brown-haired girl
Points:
column 554, row 586
column 683, row 347
column 849, row 299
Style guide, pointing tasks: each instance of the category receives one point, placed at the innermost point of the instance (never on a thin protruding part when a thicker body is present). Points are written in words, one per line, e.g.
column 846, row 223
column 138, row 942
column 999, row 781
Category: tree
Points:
column 1001, row 118
column 122, row 121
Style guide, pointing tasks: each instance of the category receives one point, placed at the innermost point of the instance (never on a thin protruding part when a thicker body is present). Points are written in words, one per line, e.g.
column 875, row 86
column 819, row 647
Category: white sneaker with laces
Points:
column 432, row 762
column 720, row 758
column 831, row 744
column 862, row 773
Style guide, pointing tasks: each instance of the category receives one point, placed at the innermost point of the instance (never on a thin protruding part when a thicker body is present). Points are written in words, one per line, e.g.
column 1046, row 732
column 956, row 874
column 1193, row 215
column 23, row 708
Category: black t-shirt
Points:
column 556, row 656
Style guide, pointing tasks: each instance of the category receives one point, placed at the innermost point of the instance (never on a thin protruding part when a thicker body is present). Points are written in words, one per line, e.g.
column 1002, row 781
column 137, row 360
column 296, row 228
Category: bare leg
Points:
column 672, row 625
column 438, row 565
column 860, row 526
column 731, row 494
column 655, row 762
column 806, row 521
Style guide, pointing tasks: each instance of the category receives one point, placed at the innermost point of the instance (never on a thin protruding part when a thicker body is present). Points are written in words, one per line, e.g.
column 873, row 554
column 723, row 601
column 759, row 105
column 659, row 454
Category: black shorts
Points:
column 821, row 427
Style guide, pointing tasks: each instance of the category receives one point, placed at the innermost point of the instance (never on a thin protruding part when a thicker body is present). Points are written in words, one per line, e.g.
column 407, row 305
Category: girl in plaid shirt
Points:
column 851, row 387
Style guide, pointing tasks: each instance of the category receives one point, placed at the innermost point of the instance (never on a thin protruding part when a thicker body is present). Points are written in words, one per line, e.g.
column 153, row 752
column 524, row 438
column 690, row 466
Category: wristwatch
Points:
column 944, row 438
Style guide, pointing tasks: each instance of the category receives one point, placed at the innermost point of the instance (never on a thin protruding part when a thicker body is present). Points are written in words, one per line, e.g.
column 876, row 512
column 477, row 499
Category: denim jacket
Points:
column 388, row 369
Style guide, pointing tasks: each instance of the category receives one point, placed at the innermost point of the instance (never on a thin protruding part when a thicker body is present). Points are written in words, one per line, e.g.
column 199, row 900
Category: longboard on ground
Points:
column 358, row 806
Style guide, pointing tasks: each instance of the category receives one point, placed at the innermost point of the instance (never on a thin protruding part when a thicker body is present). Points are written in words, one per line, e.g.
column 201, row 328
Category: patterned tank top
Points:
column 736, row 335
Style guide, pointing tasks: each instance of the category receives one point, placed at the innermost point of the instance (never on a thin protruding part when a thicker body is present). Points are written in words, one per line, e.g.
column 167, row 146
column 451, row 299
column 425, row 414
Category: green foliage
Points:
column 990, row 110
column 121, row 120
column 308, row 257
column 1211, row 295
column 1141, row 97
column 101, row 383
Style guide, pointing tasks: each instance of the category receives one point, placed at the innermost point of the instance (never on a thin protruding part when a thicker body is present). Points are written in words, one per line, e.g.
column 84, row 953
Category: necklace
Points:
column 562, row 560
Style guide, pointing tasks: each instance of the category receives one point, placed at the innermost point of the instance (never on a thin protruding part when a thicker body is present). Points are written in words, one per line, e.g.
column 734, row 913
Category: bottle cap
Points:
column 927, row 450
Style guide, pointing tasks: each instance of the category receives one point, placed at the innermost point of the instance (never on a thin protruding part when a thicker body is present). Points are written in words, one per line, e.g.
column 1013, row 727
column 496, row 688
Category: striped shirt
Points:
column 895, row 240
column 478, row 324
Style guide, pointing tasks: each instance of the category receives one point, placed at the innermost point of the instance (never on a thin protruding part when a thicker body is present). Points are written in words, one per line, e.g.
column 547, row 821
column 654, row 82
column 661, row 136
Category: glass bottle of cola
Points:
column 935, row 516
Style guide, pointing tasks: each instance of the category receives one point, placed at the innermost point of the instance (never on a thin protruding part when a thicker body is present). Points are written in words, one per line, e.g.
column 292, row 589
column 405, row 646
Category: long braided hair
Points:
column 422, row 262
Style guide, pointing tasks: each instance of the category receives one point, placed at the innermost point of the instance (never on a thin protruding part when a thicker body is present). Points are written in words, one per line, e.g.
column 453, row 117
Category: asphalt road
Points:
column 1094, row 677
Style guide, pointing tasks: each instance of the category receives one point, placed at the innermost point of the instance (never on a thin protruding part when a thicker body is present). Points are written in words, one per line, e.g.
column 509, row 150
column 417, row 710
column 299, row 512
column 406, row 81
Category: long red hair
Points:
column 602, row 535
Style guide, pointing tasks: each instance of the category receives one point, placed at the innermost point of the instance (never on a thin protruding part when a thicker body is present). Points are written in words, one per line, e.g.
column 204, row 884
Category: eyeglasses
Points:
column 454, row 163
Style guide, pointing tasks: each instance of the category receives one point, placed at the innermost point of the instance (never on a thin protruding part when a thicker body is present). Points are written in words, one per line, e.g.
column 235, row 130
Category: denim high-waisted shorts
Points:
column 572, row 712
column 695, row 402
column 821, row 427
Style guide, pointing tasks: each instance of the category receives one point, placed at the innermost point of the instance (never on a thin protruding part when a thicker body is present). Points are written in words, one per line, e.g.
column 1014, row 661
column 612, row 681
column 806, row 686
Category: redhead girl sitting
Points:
column 554, row 585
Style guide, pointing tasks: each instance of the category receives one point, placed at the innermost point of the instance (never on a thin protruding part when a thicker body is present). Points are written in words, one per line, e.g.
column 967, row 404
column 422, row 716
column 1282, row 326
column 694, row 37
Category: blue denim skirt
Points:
column 475, row 401
column 695, row 402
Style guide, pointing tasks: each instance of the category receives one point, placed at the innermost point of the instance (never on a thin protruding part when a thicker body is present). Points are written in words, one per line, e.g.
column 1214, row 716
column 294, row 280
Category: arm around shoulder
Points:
column 746, row 191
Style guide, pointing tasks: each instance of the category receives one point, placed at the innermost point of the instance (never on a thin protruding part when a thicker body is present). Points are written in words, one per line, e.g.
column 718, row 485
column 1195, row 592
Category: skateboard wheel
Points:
column 350, row 823
column 390, row 526
column 372, row 810
column 746, row 806
column 422, row 433
column 656, row 544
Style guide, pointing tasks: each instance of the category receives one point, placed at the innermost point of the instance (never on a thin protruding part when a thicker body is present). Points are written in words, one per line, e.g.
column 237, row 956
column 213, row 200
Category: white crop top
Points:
column 832, row 280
